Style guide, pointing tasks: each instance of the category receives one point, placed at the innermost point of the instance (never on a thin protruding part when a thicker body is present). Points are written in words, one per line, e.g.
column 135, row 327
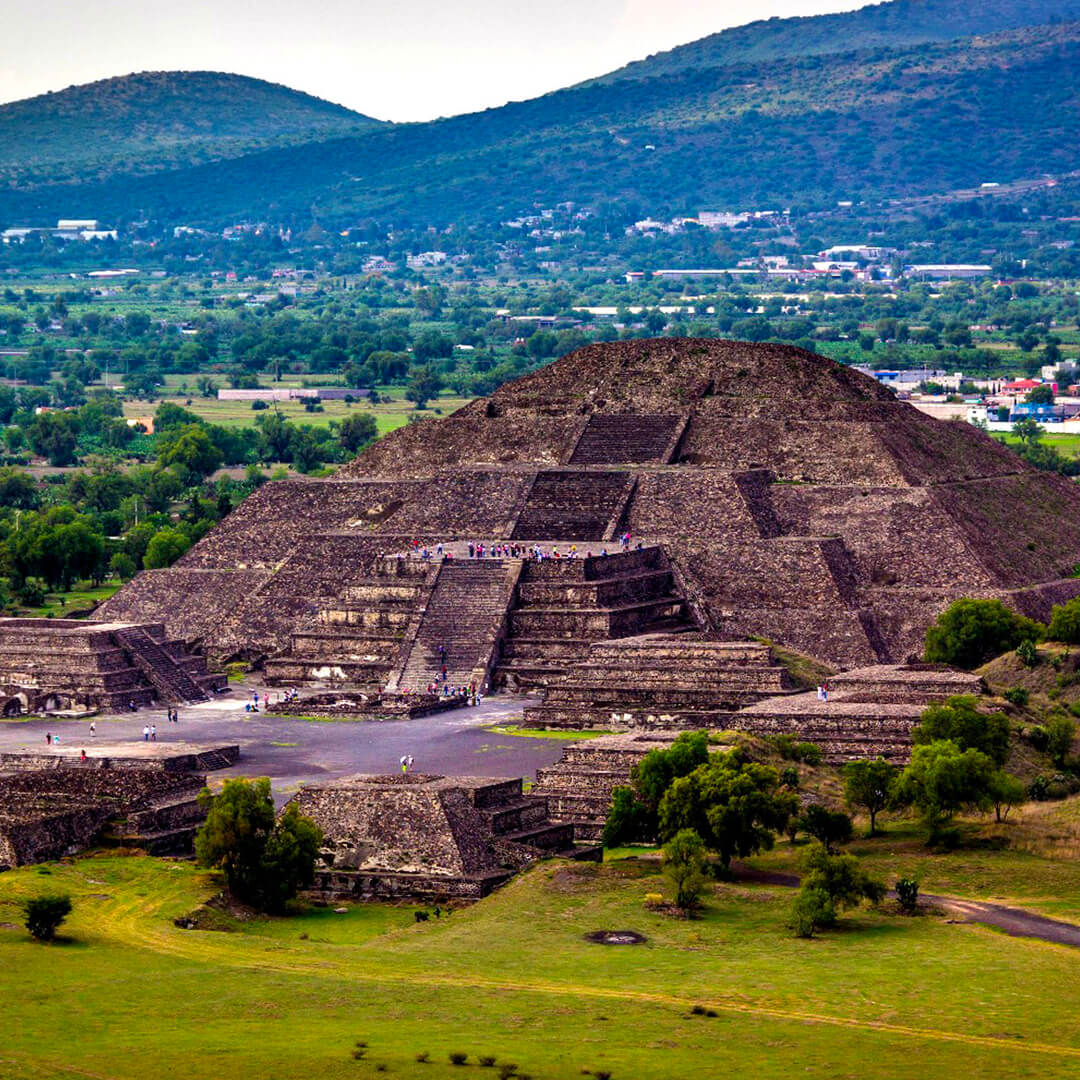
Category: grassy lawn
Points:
column 538, row 733
column 388, row 416
column 1038, row 871
column 129, row 995
column 84, row 595
column 1069, row 445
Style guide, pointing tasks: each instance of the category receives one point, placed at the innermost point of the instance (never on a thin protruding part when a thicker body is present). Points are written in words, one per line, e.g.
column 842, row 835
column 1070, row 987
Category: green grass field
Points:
column 388, row 416
column 129, row 995
column 82, row 597
column 1069, row 445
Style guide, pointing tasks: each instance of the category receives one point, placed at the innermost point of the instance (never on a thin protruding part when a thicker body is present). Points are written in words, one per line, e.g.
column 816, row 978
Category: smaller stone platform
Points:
column 430, row 837
column 50, row 665
column 170, row 757
column 51, row 813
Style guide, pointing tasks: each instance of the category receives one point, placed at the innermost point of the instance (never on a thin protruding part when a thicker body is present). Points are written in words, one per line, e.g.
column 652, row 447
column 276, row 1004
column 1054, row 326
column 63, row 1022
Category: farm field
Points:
column 388, row 415
column 512, row 977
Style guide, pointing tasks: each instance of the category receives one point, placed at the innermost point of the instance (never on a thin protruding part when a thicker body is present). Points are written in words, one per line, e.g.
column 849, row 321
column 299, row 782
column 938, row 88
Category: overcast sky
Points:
column 394, row 59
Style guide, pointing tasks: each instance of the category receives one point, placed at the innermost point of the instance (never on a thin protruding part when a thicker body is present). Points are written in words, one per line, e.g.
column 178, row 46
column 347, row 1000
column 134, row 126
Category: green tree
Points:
column 1028, row 431
column 1065, row 622
column 959, row 720
column 164, row 548
column 78, row 551
column 969, row 632
column 634, row 814
column 684, row 867
column 736, row 806
column 424, row 384
column 942, row 780
column 1040, row 395
column 43, row 915
column 53, row 435
column 827, row 826
column 1006, row 791
column 1060, row 735
column 868, row 785
column 265, row 862
column 17, row 488
column 190, row 451
column 356, row 430
column 122, row 565
column 830, row 884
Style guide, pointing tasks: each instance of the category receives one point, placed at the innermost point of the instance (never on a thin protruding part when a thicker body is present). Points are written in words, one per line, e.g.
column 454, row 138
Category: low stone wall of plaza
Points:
column 357, row 885
column 410, row 706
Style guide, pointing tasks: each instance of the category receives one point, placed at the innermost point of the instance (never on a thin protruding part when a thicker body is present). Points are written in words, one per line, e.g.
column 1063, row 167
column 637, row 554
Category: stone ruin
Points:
column 49, row 665
column 772, row 495
column 433, row 837
column 778, row 495
column 55, row 805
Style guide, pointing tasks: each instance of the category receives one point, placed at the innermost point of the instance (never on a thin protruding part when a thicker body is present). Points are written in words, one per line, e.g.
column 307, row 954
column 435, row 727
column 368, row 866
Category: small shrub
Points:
column 697, row 1010
column 1017, row 695
column 907, row 895
column 654, row 900
column 381, row 1067
column 1038, row 788
column 811, row 911
column 789, row 777
column 359, row 1055
column 506, row 1070
column 258, row 405
column 488, row 1061
column 809, row 753
column 1027, row 653
column 1039, row 738
column 423, row 1057
column 44, row 914
column 458, row 1058
column 421, row 916
column 601, row 1074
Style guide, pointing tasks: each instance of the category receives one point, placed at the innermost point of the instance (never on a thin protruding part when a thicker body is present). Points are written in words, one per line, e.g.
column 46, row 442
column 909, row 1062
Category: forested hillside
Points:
column 154, row 121
column 805, row 132
column 889, row 25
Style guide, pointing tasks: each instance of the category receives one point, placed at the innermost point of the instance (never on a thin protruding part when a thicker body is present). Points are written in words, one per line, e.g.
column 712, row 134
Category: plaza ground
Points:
column 298, row 750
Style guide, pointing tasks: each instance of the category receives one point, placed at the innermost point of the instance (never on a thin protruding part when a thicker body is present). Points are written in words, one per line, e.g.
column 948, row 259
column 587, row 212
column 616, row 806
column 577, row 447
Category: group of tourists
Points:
column 479, row 549
column 823, row 692
column 149, row 732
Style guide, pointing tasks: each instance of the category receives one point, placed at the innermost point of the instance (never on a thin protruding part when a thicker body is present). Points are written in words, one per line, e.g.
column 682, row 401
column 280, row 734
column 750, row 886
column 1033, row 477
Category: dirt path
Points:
column 1013, row 921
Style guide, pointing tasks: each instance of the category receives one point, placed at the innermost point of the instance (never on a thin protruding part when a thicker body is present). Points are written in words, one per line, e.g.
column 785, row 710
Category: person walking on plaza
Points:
column 153, row 732
column 146, row 733
column 93, row 729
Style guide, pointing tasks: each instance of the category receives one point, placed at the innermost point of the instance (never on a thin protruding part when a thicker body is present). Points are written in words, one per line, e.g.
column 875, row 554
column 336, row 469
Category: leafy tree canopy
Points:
column 972, row 631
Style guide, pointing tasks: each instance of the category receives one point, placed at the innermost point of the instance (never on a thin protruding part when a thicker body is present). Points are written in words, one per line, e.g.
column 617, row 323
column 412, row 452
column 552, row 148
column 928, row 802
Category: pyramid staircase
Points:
column 574, row 505
column 628, row 438
column 461, row 624
column 173, row 683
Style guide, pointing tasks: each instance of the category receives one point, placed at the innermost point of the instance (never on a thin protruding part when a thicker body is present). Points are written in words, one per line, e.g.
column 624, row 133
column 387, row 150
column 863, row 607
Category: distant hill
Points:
column 157, row 120
column 804, row 130
column 888, row 25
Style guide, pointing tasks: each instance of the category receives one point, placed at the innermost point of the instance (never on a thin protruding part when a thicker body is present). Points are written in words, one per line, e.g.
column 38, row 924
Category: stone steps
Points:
column 616, row 439
column 174, row 685
column 460, row 625
column 572, row 505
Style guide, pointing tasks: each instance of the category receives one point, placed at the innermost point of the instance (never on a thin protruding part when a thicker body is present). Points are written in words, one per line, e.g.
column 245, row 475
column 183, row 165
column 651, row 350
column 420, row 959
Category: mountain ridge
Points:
column 869, row 123
column 156, row 119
